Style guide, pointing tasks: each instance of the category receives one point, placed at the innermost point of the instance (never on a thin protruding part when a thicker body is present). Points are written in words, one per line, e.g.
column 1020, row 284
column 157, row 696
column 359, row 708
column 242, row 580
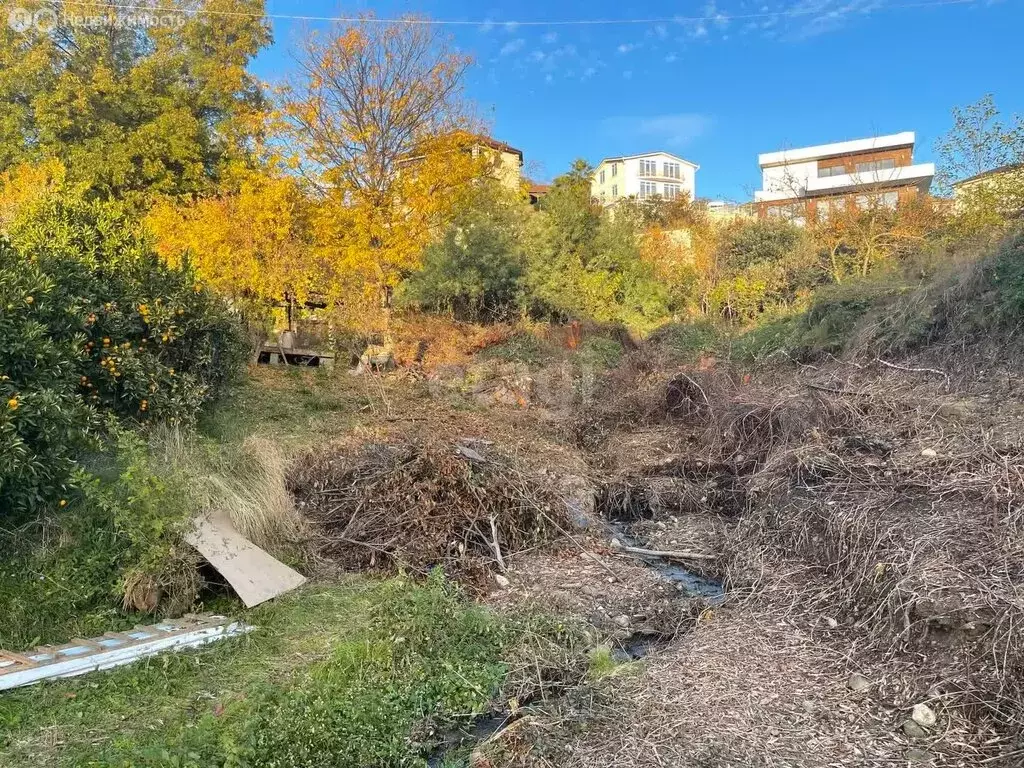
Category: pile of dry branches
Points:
column 462, row 505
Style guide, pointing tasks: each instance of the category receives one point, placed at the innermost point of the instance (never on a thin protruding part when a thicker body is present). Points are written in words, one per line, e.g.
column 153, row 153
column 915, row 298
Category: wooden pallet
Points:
column 114, row 649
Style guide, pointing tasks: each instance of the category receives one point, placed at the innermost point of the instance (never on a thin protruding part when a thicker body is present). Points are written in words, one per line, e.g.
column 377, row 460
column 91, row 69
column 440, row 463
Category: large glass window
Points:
column 834, row 170
column 672, row 191
column 672, row 171
column 648, row 189
column 648, row 168
column 615, row 170
column 602, row 177
column 615, row 190
column 871, row 166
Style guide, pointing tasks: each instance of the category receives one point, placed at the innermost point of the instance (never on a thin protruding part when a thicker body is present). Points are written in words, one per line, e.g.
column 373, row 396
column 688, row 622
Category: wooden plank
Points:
column 19, row 658
column 252, row 573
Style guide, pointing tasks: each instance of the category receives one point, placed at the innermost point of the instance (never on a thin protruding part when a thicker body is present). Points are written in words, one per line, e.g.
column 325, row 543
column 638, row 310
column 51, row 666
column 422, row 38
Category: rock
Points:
column 502, row 582
column 809, row 706
column 615, row 543
column 858, row 683
column 376, row 357
column 832, row 623
column 923, row 715
column 913, row 730
column 622, row 620
column 929, row 453
column 918, row 756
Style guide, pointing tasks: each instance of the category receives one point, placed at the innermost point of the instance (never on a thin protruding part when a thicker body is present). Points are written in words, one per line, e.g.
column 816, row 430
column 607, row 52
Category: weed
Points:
column 521, row 347
column 385, row 667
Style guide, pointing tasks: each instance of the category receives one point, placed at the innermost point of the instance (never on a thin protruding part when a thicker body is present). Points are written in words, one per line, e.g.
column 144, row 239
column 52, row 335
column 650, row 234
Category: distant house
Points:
column 801, row 185
column 537, row 191
column 1001, row 187
column 723, row 211
column 506, row 161
column 654, row 174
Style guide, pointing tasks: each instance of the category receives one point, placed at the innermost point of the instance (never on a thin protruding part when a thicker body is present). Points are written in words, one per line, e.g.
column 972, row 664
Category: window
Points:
column 615, row 190
column 615, row 169
column 877, row 200
column 672, row 171
column 648, row 189
column 602, row 177
column 672, row 191
column 828, row 206
column 835, row 170
column 886, row 164
column 648, row 168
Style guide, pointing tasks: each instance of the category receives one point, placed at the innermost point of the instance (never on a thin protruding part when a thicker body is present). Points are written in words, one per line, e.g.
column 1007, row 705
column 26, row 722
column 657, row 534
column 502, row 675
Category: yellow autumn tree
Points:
column 255, row 243
column 25, row 183
column 379, row 121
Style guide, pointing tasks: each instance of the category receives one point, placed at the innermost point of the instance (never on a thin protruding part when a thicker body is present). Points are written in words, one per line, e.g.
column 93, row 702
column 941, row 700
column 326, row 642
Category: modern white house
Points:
column 654, row 174
column 812, row 182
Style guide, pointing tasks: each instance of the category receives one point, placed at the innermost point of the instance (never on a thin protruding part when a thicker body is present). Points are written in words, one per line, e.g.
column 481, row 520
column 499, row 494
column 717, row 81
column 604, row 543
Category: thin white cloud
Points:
column 550, row 37
column 588, row 73
column 627, row 47
column 512, row 46
column 511, row 26
column 548, row 78
column 669, row 131
column 537, row 56
column 671, row 58
column 487, row 26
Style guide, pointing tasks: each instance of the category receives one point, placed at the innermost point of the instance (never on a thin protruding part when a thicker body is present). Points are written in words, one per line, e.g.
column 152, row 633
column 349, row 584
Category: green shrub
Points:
column 64, row 575
column 95, row 323
column 600, row 352
column 520, row 347
column 475, row 270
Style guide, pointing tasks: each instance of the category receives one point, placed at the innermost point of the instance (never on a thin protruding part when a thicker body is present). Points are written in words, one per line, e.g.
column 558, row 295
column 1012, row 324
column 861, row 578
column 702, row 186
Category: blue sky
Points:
column 719, row 81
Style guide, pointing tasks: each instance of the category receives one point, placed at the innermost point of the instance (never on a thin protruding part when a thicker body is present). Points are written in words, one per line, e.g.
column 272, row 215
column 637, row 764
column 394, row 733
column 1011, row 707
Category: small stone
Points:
column 929, row 453
column 832, row 623
column 916, row 755
column 923, row 715
column 616, row 543
column 622, row 620
column 503, row 582
column 809, row 706
column 858, row 683
column 913, row 730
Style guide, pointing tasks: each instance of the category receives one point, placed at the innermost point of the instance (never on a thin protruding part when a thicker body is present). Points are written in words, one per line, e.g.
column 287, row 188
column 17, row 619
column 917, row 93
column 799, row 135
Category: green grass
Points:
column 362, row 673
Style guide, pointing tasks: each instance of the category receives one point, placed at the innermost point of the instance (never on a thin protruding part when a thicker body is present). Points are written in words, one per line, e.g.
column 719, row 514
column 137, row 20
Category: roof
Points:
column 648, row 154
column 539, row 189
column 500, row 146
column 992, row 172
column 904, row 139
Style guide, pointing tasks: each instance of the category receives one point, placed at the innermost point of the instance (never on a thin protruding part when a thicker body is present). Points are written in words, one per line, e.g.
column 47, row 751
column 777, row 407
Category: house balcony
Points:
column 919, row 175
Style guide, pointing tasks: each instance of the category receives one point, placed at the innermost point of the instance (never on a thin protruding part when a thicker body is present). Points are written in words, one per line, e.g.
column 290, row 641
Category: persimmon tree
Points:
column 379, row 122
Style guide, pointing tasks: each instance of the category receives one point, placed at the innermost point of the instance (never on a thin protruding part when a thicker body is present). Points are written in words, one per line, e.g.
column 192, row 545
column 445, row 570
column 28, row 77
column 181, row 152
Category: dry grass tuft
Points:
column 255, row 496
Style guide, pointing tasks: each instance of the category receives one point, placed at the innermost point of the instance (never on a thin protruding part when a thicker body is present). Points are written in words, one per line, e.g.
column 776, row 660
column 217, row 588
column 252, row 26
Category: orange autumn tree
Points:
column 379, row 122
column 252, row 244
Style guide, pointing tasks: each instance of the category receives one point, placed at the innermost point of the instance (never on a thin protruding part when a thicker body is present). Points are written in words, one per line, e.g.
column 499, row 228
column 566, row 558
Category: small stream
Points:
column 693, row 584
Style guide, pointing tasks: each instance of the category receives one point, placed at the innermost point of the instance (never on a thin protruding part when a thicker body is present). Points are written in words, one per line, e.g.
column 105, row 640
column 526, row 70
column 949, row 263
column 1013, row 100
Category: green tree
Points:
column 134, row 110
column 585, row 262
column 475, row 271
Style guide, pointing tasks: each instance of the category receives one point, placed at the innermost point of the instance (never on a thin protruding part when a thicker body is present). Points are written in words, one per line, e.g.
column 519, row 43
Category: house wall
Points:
column 791, row 178
column 627, row 179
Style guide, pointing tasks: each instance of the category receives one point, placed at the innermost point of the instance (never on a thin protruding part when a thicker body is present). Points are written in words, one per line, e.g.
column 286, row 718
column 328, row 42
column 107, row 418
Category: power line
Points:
column 490, row 23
